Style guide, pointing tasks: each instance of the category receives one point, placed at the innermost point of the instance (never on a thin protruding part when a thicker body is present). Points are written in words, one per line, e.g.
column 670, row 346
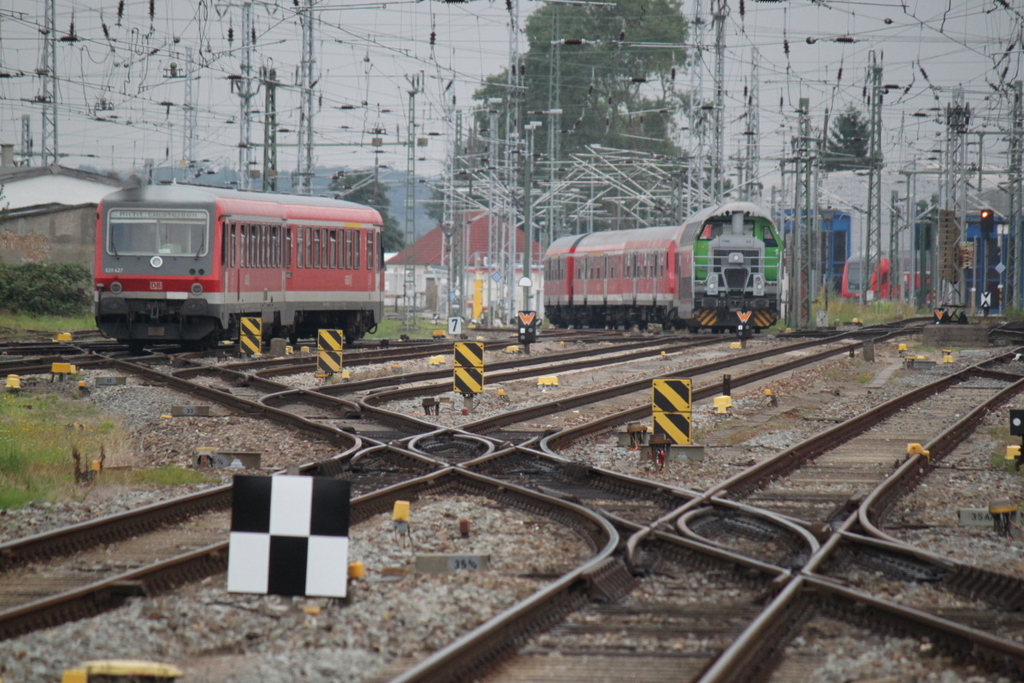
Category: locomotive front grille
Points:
column 735, row 278
column 751, row 258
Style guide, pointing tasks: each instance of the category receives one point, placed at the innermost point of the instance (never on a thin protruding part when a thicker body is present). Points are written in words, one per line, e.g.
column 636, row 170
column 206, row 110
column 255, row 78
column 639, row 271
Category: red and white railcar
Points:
column 719, row 270
column 184, row 264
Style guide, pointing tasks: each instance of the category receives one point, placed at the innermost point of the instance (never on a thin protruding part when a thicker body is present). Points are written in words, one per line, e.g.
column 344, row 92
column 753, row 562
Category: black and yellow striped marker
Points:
column 328, row 352
column 250, row 336
column 707, row 317
column 330, row 340
column 469, row 368
column 671, row 406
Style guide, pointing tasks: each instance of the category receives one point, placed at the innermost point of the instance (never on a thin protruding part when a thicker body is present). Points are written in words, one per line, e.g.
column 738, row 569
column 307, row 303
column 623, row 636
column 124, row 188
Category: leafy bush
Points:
column 45, row 288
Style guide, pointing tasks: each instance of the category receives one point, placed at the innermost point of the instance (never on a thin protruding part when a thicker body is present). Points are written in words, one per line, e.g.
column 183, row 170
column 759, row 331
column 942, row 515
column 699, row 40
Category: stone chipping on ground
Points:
column 219, row 636
column 393, row 613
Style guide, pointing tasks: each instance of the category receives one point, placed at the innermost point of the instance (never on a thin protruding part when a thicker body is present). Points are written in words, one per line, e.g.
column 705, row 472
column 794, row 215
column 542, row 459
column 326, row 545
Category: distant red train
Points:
column 719, row 270
column 853, row 279
column 183, row 264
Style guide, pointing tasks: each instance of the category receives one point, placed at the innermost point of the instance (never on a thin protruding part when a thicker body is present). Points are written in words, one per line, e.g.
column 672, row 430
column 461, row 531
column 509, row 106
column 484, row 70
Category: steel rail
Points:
column 565, row 437
column 167, row 574
column 751, row 655
column 877, row 505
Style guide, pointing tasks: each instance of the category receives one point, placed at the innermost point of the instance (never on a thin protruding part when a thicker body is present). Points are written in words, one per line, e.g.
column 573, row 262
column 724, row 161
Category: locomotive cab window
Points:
column 369, row 250
column 711, row 230
column 765, row 232
column 151, row 232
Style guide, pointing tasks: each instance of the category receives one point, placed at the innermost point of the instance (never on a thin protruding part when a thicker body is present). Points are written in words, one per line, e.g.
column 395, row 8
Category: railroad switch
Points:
column 431, row 406
column 61, row 370
column 400, row 523
column 917, row 449
column 1003, row 512
column 547, row 381
column 1013, row 455
column 659, row 449
column 637, row 434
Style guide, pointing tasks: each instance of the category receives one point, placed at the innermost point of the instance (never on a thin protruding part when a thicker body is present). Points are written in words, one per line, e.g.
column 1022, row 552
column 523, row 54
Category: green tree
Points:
column 363, row 189
column 847, row 145
column 618, row 70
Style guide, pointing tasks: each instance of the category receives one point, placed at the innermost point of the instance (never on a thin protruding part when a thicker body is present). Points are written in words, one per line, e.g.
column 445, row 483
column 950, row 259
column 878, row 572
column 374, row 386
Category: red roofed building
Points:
column 428, row 256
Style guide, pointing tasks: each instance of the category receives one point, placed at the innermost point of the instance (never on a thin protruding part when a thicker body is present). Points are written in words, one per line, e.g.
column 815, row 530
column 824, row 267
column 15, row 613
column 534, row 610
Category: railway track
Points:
column 750, row 556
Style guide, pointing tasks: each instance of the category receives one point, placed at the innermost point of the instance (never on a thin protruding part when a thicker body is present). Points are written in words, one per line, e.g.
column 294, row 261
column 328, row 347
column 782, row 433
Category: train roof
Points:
column 606, row 238
column 727, row 209
column 204, row 194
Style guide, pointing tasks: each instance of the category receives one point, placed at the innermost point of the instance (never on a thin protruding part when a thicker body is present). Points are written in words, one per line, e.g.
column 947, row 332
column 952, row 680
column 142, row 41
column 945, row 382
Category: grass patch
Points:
column 420, row 329
column 37, row 433
column 876, row 312
column 168, row 475
column 23, row 325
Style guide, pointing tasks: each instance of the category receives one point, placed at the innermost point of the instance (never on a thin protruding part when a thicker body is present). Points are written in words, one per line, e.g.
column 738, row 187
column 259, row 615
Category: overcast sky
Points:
column 364, row 51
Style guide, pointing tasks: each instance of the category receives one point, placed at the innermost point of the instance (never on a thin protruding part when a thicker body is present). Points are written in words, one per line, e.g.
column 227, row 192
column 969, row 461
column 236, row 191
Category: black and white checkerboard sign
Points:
column 289, row 536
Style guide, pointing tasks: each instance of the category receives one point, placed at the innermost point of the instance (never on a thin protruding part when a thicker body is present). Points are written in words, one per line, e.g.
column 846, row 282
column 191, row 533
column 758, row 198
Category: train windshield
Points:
column 149, row 232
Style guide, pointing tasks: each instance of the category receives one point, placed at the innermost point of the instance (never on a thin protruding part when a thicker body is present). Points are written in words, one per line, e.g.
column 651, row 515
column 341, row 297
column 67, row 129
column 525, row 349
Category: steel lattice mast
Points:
column 49, row 74
column 305, row 162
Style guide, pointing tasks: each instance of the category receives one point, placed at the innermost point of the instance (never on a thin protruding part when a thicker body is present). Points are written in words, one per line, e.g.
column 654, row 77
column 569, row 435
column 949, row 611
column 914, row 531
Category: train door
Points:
column 605, row 275
column 633, row 261
column 286, row 261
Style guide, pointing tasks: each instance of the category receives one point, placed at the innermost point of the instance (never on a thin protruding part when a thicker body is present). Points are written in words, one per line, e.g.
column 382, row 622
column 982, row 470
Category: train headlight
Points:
column 736, row 257
column 712, row 285
column 197, row 288
column 758, row 285
column 115, row 287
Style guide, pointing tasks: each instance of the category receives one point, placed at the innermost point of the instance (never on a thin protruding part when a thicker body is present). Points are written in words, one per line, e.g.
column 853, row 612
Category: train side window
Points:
column 287, row 246
column 300, row 261
column 333, row 248
column 275, row 246
column 357, row 239
column 309, row 247
column 234, row 244
column 254, row 246
column 243, row 246
column 324, row 248
column 348, row 249
column 316, row 247
column 369, row 250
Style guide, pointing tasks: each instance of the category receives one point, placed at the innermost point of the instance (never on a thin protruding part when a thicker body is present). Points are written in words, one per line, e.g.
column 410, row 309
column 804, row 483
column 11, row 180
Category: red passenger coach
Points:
column 717, row 271
column 183, row 264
